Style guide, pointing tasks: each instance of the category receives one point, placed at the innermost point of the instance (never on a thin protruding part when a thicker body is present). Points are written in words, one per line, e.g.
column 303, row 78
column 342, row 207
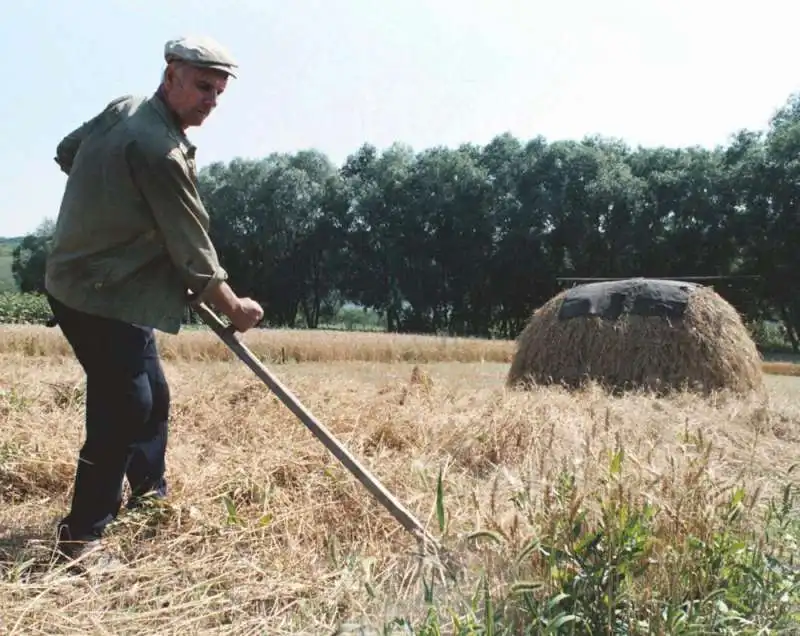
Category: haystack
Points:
column 638, row 333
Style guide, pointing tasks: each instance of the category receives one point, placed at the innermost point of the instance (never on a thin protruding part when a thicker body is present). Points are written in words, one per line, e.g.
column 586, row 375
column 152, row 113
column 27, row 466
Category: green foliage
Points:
column 769, row 335
column 7, row 283
column 29, row 257
column 615, row 573
column 353, row 318
column 18, row 308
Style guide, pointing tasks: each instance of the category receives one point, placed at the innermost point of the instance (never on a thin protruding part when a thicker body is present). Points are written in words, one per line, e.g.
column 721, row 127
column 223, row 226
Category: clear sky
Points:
column 334, row 74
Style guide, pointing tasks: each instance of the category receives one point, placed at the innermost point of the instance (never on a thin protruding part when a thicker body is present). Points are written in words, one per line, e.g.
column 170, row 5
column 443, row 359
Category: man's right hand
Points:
column 246, row 315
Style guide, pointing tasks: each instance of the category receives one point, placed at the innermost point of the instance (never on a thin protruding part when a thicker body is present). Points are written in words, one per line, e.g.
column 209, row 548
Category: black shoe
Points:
column 84, row 554
column 69, row 548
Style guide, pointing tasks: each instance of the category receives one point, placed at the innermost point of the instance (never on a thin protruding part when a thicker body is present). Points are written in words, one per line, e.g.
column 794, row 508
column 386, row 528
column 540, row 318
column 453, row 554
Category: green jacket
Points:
column 132, row 233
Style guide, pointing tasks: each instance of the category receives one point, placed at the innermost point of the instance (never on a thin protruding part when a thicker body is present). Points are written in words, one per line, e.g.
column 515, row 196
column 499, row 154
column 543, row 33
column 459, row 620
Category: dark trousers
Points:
column 127, row 408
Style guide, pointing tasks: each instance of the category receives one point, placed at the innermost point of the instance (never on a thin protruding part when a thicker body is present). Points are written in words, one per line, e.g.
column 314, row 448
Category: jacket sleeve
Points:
column 166, row 184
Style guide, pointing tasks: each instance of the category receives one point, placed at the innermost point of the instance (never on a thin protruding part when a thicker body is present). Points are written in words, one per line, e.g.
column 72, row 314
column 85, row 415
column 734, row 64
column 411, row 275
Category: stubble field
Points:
column 593, row 514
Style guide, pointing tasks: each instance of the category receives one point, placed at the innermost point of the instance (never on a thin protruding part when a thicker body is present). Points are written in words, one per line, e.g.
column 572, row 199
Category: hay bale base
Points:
column 638, row 334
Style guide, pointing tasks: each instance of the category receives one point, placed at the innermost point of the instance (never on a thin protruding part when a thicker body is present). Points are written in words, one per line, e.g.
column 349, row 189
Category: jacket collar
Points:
column 171, row 120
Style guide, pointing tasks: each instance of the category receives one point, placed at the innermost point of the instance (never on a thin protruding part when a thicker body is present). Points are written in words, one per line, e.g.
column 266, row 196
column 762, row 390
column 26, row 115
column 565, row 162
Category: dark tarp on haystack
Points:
column 637, row 296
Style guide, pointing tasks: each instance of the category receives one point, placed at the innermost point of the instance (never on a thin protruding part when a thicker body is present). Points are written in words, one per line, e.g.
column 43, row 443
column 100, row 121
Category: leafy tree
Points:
column 29, row 258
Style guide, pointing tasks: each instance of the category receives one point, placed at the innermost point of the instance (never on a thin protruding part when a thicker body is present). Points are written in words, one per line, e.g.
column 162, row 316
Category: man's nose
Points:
column 210, row 98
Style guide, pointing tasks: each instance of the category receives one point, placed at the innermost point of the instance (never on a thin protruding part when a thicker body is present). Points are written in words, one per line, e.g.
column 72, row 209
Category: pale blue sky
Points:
column 333, row 75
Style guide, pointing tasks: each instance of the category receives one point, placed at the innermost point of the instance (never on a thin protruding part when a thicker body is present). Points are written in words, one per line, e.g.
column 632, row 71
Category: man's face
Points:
column 192, row 92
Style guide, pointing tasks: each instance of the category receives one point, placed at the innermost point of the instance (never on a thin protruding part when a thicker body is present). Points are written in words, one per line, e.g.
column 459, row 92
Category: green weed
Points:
column 613, row 568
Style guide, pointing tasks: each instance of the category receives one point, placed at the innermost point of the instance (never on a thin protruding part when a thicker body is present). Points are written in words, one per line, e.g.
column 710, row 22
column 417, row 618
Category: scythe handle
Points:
column 369, row 481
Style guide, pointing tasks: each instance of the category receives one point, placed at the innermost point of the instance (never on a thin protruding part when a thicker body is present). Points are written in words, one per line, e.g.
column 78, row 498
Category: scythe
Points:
column 227, row 334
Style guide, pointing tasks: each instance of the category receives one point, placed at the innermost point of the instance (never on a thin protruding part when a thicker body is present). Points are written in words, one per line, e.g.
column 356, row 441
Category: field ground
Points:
column 265, row 532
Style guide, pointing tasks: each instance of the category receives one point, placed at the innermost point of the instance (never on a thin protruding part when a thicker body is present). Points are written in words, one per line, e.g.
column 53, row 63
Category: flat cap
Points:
column 200, row 51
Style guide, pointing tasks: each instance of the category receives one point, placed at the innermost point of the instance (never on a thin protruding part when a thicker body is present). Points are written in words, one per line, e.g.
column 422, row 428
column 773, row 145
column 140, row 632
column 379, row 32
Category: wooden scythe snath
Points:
column 369, row 481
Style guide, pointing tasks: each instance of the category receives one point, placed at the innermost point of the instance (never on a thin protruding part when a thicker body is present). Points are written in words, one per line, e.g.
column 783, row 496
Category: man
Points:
column 131, row 238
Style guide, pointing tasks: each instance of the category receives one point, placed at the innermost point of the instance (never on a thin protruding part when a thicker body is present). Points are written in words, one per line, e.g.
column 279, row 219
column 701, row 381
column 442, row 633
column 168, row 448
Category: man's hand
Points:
column 244, row 313
column 247, row 314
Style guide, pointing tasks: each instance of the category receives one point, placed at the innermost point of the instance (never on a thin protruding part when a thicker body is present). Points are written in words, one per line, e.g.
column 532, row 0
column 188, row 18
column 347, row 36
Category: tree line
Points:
column 468, row 241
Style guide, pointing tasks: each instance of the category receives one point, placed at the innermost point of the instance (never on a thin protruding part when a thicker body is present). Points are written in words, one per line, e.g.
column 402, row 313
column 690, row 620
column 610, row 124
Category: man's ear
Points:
column 172, row 74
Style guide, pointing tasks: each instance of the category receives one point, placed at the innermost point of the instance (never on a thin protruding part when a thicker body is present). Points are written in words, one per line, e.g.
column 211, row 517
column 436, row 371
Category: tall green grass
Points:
column 729, row 567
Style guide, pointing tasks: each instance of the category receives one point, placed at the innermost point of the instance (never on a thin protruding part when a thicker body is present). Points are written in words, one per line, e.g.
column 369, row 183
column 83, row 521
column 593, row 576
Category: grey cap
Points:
column 200, row 51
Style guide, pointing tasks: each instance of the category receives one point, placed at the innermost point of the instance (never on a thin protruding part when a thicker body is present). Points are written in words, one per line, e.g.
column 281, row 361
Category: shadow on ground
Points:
column 24, row 552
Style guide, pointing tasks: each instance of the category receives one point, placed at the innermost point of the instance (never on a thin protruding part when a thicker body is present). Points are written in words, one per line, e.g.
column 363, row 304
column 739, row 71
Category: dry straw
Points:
column 707, row 349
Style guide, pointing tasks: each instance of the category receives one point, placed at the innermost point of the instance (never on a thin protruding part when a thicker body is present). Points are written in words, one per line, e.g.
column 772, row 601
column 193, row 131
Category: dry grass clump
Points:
column 265, row 532
column 708, row 349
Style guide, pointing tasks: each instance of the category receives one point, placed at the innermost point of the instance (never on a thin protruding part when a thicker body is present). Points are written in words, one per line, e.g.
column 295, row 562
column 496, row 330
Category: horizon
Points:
column 332, row 78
